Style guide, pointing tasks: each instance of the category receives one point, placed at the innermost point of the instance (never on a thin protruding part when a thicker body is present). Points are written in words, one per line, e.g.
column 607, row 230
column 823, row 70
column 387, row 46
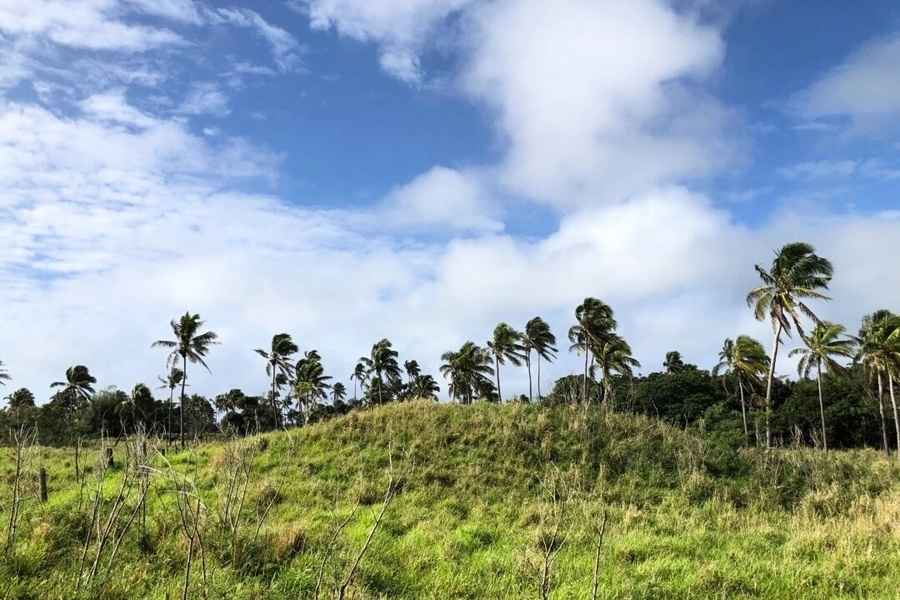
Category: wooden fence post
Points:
column 109, row 458
column 42, row 478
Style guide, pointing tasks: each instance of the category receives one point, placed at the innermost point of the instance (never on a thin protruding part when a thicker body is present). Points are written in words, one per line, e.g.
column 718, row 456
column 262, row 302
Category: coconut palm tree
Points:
column 170, row 382
column 468, row 370
column 189, row 345
column 505, row 345
column 797, row 273
column 425, row 386
column 673, row 362
column 4, row 376
column 77, row 388
column 278, row 363
column 825, row 342
column 383, row 362
column 745, row 359
column 879, row 351
column 543, row 342
column 613, row 356
column 595, row 324
column 359, row 376
column 310, row 381
column 338, row 392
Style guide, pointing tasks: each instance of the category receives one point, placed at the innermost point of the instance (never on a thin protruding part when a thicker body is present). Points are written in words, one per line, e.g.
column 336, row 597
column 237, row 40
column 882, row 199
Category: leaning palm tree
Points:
column 595, row 325
column 468, row 370
column 278, row 363
column 880, row 354
column 673, row 362
column 189, row 345
column 745, row 359
column 359, row 376
column 338, row 392
column 825, row 342
column 543, row 342
column 613, row 356
column 4, row 376
column 797, row 272
column 505, row 345
column 426, row 387
column 310, row 382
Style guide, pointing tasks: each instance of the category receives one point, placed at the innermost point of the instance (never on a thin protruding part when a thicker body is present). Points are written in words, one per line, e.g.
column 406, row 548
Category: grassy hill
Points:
column 479, row 493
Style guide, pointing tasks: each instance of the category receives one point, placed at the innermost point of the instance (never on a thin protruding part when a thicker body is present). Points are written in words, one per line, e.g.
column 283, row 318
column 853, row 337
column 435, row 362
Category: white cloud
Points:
column 442, row 200
column 113, row 107
column 185, row 11
column 821, row 169
column 401, row 27
column 285, row 47
column 864, row 88
column 90, row 24
column 205, row 98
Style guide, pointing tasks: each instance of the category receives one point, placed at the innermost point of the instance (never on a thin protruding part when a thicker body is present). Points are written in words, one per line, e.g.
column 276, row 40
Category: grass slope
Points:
column 478, row 488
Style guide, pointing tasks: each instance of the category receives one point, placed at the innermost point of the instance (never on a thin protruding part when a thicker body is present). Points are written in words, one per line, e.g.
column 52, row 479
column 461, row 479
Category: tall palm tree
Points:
column 359, row 376
column 4, row 376
column 595, row 324
column 745, row 359
column 880, row 354
column 383, row 362
column 613, row 356
column 190, row 345
column 797, row 272
column 825, row 342
column 278, row 363
column 505, row 345
column 170, row 382
column 541, row 339
column 468, row 370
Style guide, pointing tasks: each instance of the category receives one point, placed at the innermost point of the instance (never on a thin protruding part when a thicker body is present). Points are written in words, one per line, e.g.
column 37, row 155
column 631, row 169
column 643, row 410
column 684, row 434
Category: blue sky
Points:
column 346, row 170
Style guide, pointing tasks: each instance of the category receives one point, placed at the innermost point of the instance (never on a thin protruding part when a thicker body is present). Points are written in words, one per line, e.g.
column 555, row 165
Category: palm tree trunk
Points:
column 884, row 441
column 539, row 376
column 894, row 405
column 171, row 402
column 822, row 406
column 497, row 366
column 528, row 362
column 744, row 411
column 380, row 385
column 584, row 395
column 769, row 381
column 181, row 415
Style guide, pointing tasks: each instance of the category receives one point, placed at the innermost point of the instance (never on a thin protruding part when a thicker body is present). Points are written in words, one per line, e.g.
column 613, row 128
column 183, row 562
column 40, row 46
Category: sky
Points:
column 348, row 170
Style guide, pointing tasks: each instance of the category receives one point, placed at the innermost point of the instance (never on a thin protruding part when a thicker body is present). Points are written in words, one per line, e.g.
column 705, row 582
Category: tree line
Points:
column 846, row 404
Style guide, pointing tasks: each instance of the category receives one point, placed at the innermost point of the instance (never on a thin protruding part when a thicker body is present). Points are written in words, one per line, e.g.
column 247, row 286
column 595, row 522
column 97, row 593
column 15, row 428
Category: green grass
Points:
column 687, row 519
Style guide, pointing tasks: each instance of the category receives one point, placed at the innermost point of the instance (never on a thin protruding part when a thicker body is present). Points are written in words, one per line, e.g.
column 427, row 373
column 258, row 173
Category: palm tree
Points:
column 613, row 356
column 425, row 386
column 338, row 392
column 879, row 352
column 595, row 324
column 310, row 383
column 78, row 384
column 4, row 376
column 383, row 362
column 191, row 346
column 746, row 360
column 170, row 382
column 468, row 370
column 541, row 339
column 797, row 272
column 78, row 387
column 825, row 342
column 360, row 375
column 505, row 345
column 278, row 363
column 673, row 362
